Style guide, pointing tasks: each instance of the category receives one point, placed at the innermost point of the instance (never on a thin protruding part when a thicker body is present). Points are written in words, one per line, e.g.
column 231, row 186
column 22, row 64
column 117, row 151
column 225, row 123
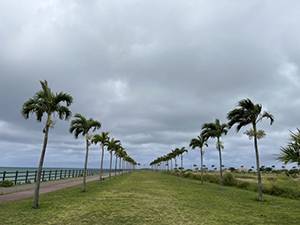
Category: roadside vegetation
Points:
column 152, row 198
column 277, row 184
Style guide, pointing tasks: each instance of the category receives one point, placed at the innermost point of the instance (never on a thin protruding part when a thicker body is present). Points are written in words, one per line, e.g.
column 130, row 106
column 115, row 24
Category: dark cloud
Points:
column 151, row 72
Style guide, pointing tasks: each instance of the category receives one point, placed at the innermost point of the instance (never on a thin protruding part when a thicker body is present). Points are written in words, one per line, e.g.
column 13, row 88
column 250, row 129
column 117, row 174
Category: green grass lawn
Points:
column 152, row 198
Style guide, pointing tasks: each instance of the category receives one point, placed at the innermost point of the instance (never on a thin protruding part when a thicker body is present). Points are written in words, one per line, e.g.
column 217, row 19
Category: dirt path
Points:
column 26, row 191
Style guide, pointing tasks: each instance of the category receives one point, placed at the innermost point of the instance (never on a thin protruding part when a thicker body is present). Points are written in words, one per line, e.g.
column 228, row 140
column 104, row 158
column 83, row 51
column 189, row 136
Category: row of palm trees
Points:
column 47, row 103
column 177, row 152
column 244, row 114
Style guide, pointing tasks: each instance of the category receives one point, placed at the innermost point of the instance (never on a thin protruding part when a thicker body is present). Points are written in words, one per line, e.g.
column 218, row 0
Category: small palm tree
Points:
column 248, row 113
column 112, row 145
column 199, row 142
column 81, row 125
column 216, row 130
column 46, row 102
column 103, row 140
column 291, row 153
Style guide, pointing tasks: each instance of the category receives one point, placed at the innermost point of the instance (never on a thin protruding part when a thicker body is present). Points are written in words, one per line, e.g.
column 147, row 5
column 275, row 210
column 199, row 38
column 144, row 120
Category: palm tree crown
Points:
column 46, row 101
column 81, row 125
column 198, row 142
column 113, row 144
column 247, row 113
column 291, row 153
column 102, row 138
column 214, row 130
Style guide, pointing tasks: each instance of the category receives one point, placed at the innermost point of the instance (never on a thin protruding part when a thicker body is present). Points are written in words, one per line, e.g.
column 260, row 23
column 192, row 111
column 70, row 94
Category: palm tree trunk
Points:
column 171, row 164
column 181, row 161
column 40, row 168
column 201, row 153
column 220, row 159
column 101, row 162
column 85, row 164
column 259, row 183
column 120, row 165
column 116, row 165
column 110, row 164
column 175, row 162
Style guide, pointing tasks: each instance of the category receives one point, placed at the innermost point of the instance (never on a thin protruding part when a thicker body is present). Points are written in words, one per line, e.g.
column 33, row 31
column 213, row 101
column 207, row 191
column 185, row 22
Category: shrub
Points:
column 273, row 190
column 242, row 184
column 6, row 183
column 211, row 178
column 232, row 169
column 229, row 179
column 186, row 174
column 281, row 191
column 292, row 172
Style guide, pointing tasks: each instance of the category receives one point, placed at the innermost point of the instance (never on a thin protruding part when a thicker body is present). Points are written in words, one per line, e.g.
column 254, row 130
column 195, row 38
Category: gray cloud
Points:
column 151, row 72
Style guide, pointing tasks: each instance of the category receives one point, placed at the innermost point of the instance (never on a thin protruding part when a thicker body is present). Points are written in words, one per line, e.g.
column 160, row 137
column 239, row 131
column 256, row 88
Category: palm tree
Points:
column 248, row 113
column 172, row 156
column 122, row 154
column 181, row 151
column 175, row 154
column 103, row 140
column 118, row 153
column 111, row 147
column 46, row 102
column 216, row 130
column 81, row 125
column 291, row 153
column 199, row 142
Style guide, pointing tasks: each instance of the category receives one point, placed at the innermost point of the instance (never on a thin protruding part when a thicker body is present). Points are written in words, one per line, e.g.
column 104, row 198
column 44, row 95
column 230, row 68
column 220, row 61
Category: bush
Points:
column 229, row 179
column 242, row 184
column 292, row 172
column 281, row 191
column 211, row 178
column 6, row 183
column 273, row 190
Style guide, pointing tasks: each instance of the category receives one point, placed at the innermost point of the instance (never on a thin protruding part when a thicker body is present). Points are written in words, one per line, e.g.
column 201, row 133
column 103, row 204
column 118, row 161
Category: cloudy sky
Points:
column 151, row 71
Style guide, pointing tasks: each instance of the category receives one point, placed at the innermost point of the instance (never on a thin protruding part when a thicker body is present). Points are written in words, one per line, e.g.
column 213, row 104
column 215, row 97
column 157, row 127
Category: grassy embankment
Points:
column 152, row 198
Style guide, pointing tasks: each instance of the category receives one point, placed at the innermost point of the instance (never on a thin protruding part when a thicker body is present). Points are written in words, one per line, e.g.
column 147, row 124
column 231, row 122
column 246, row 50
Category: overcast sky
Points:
column 151, row 71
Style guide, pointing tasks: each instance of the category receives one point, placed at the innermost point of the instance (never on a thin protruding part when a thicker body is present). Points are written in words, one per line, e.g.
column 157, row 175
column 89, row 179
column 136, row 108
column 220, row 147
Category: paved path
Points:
column 26, row 191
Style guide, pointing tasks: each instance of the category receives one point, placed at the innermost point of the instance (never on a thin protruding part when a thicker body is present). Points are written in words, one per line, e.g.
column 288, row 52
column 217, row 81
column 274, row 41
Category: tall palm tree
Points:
column 291, row 153
column 181, row 151
column 171, row 156
column 216, row 130
column 122, row 155
column 81, row 125
column 199, row 142
column 111, row 147
column 118, row 153
column 46, row 102
column 248, row 113
column 175, row 154
column 103, row 140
